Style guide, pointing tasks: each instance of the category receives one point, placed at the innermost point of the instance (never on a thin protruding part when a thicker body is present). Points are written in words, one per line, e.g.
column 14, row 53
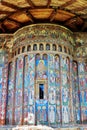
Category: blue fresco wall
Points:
column 41, row 67
column 19, row 90
column 3, row 84
column 10, row 97
column 77, row 113
column 66, row 93
column 51, row 90
column 82, row 75
column 31, row 101
column 65, row 82
column 58, row 88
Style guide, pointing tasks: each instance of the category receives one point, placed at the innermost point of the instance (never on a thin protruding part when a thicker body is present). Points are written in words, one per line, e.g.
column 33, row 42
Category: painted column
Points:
column 3, row 85
column 51, row 90
column 71, row 95
column 77, row 112
column 58, row 89
column 31, row 100
column 82, row 72
column 19, row 91
column 65, row 90
column 26, row 88
column 10, row 94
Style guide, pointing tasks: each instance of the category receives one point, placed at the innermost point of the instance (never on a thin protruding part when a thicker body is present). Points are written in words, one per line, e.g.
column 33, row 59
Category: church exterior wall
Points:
column 46, row 82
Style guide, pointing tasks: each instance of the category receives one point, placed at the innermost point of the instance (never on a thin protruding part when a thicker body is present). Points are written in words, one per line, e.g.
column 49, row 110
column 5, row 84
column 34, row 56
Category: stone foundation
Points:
column 40, row 127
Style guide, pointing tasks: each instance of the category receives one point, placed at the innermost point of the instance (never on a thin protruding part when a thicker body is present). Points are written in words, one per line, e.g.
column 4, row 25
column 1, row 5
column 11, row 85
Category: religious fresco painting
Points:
column 45, row 82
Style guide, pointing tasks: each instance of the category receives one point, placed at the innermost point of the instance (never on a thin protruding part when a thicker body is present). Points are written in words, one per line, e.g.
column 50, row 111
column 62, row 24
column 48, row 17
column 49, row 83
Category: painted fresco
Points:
column 41, row 67
column 1, row 78
column 19, row 73
column 41, row 112
column 52, row 89
column 10, row 97
column 18, row 116
column 58, row 115
column 51, row 70
column 82, row 72
column 9, row 116
column 18, row 92
column 52, row 114
column 26, row 81
column 57, row 87
column 25, row 114
column 77, row 111
column 3, row 84
column 31, row 115
column 65, row 76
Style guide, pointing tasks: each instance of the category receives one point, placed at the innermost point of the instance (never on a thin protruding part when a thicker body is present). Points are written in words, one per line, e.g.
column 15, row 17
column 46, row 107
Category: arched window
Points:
column 23, row 49
column 69, row 51
column 60, row 48
column 47, row 47
column 15, row 53
column 41, row 47
column 28, row 48
column 54, row 47
column 12, row 55
column 65, row 49
column 35, row 47
column 19, row 51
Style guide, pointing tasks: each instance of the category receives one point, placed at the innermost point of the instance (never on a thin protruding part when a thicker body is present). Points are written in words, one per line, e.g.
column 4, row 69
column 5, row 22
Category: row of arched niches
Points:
column 41, row 47
column 43, row 88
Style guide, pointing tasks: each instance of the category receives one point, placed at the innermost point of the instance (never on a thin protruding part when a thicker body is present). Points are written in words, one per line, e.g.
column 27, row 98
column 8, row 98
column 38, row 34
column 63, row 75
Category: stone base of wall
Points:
column 40, row 127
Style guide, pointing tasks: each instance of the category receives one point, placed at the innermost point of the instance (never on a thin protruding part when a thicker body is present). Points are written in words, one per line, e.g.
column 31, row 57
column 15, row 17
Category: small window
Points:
column 35, row 47
column 41, row 91
column 69, row 51
column 23, row 49
column 15, row 53
column 29, row 48
column 12, row 55
column 60, row 49
column 65, row 49
column 54, row 47
column 19, row 51
column 47, row 47
column 41, row 47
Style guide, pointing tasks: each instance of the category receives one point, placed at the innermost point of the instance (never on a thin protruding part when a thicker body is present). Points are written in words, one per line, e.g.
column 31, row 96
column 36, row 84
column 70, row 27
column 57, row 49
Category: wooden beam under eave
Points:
column 10, row 5
column 48, row 3
column 30, row 3
column 2, row 28
column 84, row 26
column 52, row 16
column 30, row 15
column 17, row 22
column 6, row 12
column 67, row 4
column 79, row 9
